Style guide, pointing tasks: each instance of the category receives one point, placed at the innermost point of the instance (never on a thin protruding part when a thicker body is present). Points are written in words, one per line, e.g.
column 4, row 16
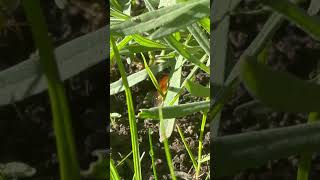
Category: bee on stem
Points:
column 163, row 84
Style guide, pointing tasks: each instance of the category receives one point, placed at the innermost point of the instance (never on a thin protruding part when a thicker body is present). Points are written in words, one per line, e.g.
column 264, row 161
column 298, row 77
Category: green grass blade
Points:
column 152, row 77
column 205, row 158
column 72, row 58
column 174, row 84
column 193, row 160
column 219, row 101
column 113, row 171
column 151, row 152
column 203, row 124
column 161, row 17
column 181, row 22
column 219, row 53
column 116, row 4
column 69, row 167
column 257, row 45
column 280, row 91
column 309, row 24
column 205, row 23
column 234, row 153
column 147, row 42
column 200, row 36
column 232, row 81
column 218, row 14
column 131, row 115
column 122, row 43
column 124, row 159
column 118, row 14
column 134, row 49
column 197, row 89
column 166, row 145
column 189, row 77
column 306, row 157
column 117, row 86
column 176, row 45
column 175, row 111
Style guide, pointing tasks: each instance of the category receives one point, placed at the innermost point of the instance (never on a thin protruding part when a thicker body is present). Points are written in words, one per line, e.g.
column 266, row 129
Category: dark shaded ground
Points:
column 26, row 133
column 291, row 50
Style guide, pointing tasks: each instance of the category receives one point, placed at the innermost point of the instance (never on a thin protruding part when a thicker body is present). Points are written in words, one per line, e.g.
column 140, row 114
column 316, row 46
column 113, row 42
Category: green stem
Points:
column 195, row 165
column 166, row 146
column 69, row 168
column 113, row 171
column 152, row 156
column 203, row 124
column 131, row 115
column 306, row 157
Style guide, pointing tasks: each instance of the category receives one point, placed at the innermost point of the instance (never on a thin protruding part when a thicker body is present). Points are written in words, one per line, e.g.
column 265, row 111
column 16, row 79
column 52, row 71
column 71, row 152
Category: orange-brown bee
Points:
column 163, row 83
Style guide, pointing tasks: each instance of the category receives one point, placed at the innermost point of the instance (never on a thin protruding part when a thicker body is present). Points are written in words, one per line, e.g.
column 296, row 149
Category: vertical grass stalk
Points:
column 166, row 145
column 306, row 158
column 113, row 171
column 131, row 115
column 203, row 124
column 194, row 163
column 152, row 156
column 69, row 168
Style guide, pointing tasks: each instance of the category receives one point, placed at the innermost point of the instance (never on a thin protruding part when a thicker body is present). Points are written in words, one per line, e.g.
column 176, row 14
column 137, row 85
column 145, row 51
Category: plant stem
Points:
column 69, row 168
column 166, row 146
column 152, row 156
column 203, row 124
column 306, row 157
column 131, row 115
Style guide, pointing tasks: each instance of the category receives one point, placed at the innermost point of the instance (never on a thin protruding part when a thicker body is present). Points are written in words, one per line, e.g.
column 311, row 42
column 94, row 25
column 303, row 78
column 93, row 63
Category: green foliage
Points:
column 132, row 119
column 175, row 111
column 25, row 79
column 279, row 91
column 197, row 89
column 168, row 20
column 69, row 167
column 46, row 69
column 174, row 34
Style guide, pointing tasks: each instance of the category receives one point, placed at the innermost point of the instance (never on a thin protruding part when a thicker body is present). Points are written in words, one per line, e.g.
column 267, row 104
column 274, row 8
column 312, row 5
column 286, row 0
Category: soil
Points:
column 190, row 126
column 291, row 50
column 26, row 133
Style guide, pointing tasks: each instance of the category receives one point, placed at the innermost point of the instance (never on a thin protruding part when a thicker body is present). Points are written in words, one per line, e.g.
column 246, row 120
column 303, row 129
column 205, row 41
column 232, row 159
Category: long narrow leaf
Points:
column 309, row 24
column 174, row 84
column 279, row 90
column 68, row 163
column 164, row 16
column 306, row 157
column 132, row 119
column 166, row 146
column 197, row 89
column 234, row 153
column 113, row 171
column 175, row 111
column 219, row 52
column 117, row 86
column 72, row 58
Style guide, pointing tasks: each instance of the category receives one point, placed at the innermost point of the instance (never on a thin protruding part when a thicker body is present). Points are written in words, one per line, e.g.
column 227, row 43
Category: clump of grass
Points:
column 280, row 91
column 167, row 37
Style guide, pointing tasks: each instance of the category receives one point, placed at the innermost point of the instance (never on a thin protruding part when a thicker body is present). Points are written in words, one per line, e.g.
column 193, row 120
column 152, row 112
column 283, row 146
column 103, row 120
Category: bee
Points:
column 163, row 84
column 154, row 98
